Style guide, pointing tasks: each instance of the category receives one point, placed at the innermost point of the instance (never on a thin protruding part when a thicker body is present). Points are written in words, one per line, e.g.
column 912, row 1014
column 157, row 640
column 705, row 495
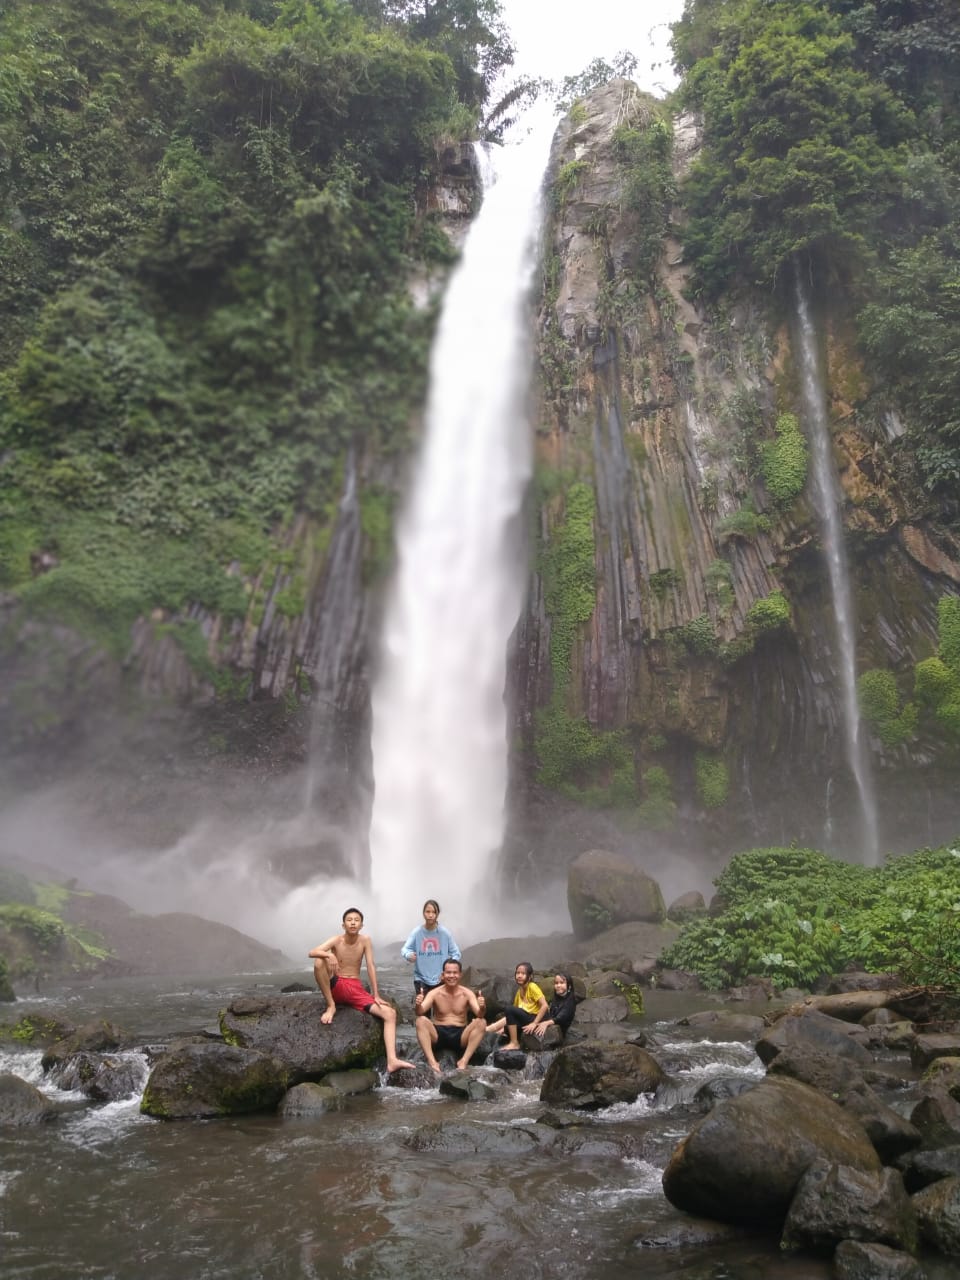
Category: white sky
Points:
column 556, row 38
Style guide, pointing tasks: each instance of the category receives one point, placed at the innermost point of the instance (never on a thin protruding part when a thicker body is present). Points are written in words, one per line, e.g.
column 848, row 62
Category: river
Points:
column 102, row 1191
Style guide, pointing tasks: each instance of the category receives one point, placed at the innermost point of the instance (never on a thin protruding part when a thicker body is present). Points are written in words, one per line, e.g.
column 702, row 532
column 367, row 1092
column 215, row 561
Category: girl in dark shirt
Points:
column 561, row 1008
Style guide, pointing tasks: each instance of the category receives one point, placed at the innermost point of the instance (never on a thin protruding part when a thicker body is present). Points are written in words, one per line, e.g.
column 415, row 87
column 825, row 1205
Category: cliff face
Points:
column 694, row 682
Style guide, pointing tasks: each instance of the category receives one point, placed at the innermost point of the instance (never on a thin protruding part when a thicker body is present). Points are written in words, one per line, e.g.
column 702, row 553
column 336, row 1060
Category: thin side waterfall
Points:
column 439, row 719
column 828, row 499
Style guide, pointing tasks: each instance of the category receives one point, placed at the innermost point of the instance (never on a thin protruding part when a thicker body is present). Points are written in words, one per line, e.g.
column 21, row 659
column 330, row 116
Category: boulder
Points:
column 938, row 1213
column 626, row 946
column 860, row 1260
column 921, row 1168
column 937, row 1117
column 602, row 1009
column 834, row 1203
column 678, row 980
column 721, row 1024
column 842, row 1080
column 309, row 1099
column 742, row 1162
column 605, row 889
column 103, row 1078
column 811, row 1029
column 717, row 1088
column 204, row 1080
column 593, row 1075
column 289, row 1028
column 34, row 1031
column 346, row 1083
column 938, row 1045
column 552, row 1038
column 461, row 1084
column 92, row 1037
column 21, row 1103
column 687, row 907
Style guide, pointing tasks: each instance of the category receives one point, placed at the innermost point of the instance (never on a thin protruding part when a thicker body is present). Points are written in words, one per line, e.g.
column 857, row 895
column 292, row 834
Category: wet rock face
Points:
column 643, row 394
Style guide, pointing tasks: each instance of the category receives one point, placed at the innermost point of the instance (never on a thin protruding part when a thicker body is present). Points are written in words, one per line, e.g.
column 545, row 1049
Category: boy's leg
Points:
column 472, row 1034
column 427, row 1037
column 321, row 975
column 388, row 1016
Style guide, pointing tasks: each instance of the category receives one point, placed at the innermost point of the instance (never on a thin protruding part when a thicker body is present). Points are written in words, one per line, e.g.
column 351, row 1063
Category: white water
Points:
column 439, row 720
column 828, row 502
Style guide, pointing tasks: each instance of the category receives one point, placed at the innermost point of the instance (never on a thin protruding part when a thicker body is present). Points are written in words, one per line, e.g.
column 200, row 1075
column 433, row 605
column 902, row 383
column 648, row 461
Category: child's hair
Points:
column 527, row 968
column 431, row 902
column 352, row 911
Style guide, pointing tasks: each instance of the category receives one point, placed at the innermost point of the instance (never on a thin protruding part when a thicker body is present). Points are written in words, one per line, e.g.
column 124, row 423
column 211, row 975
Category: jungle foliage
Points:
column 208, row 211
column 793, row 915
column 831, row 138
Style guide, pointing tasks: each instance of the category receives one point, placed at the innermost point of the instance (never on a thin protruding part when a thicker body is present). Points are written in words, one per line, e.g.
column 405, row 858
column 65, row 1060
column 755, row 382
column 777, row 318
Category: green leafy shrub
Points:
column 769, row 613
column 794, row 915
column 712, row 779
column 784, row 460
column 880, row 704
column 937, row 679
column 745, row 524
column 698, row 636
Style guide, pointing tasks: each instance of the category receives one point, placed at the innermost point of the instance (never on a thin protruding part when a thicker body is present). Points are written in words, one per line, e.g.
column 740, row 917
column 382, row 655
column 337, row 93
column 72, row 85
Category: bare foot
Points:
column 400, row 1064
column 435, row 1068
column 462, row 1064
column 327, row 1016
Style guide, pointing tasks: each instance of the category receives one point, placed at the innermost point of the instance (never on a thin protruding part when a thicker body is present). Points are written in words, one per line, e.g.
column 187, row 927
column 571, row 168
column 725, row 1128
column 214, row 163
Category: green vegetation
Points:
column 793, row 915
column 880, row 705
column 698, row 636
column 745, row 524
column 937, row 679
column 769, row 613
column 210, row 213
column 569, row 577
column 657, row 810
column 643, row 155
column 831, row 139
column 713, row 780
column 784, row 460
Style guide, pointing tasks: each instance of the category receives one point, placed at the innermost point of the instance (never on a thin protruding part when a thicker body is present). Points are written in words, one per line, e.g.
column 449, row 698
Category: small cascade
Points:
column 439, row 719
column 828, row 500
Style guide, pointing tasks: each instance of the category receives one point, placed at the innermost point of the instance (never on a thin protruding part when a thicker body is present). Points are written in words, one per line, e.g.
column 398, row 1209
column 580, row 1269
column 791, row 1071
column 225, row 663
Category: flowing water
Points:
column 102, row 1191
column 828, row 499
column 439, row 720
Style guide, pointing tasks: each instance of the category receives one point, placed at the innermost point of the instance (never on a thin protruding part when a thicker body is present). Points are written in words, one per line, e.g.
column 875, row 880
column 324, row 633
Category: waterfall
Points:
column 439, row 718
column 828, row 499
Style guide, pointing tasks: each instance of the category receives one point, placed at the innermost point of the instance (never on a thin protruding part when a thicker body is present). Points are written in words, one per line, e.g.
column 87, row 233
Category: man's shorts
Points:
column 352, row 993
column 449, row 1037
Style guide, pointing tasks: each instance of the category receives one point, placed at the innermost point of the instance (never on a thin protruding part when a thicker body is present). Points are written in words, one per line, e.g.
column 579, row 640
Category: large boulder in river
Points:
column 818, row 1032
column 588, row 1076
column 288, row 1027
column 938, row 1212
column 199, row 1081
column 21, row 1103
column 606, row 889
column 742, row 1162
column 834, row 1203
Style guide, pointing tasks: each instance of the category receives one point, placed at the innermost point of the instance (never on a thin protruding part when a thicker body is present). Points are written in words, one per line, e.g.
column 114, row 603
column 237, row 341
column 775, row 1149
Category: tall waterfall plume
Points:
column 828, row 499
column 439, row 719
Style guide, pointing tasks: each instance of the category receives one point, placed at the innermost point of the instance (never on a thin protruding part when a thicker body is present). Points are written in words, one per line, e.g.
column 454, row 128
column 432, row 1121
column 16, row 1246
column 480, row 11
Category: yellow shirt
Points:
column 530, row 1002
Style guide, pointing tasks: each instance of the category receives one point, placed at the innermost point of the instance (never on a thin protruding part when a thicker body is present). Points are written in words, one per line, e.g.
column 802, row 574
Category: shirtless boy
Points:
column 449, row 1028
column 336, row 967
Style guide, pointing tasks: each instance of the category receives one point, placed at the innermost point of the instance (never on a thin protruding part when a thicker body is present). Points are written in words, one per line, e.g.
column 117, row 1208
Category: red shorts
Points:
column 352, row 993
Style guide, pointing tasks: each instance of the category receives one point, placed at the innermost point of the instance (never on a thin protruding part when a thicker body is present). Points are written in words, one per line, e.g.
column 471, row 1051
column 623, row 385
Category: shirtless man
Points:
column 449, row 1028
column 336, row 967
